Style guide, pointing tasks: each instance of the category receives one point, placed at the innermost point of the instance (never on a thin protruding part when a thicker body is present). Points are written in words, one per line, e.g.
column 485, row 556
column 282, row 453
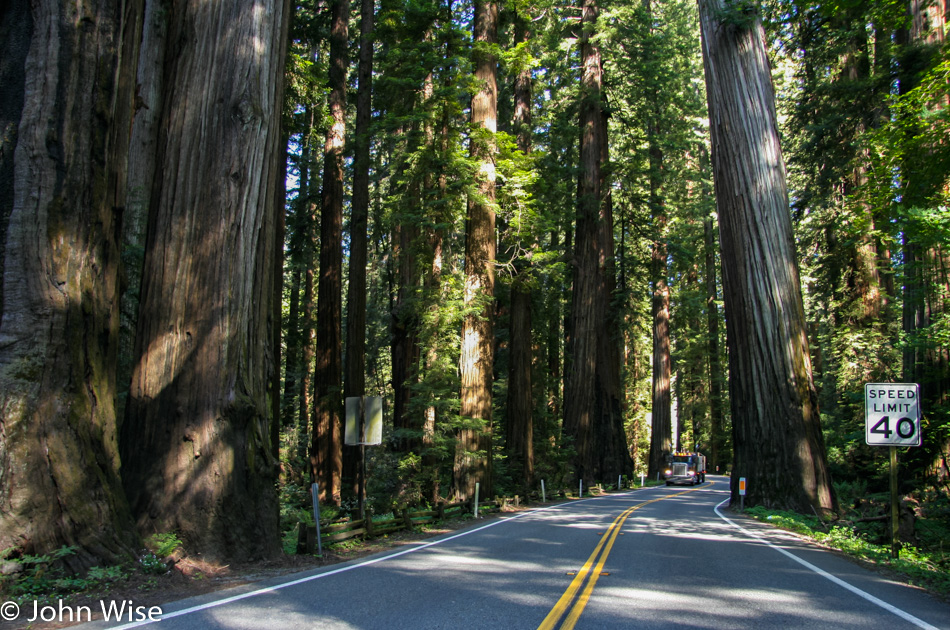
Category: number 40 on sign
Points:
column 892, row 414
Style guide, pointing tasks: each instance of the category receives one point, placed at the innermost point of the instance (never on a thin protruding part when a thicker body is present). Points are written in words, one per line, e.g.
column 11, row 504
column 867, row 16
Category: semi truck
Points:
column 685, row 468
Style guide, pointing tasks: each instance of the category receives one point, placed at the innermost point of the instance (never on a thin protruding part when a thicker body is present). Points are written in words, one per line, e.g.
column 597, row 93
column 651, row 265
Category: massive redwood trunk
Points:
column 519, row 425
column 473, row 457
column 326, row 451
column 66, row 109
column 777, row 435
column 197, row 452
column 592, row 392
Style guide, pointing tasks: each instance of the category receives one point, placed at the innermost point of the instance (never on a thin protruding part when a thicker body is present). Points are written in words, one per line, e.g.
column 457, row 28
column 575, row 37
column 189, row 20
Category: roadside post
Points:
column 742, row 494
column 543, row 497
column 892, row 418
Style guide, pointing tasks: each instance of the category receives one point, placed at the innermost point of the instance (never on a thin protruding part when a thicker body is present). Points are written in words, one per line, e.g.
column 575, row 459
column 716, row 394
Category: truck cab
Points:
column 685, row 468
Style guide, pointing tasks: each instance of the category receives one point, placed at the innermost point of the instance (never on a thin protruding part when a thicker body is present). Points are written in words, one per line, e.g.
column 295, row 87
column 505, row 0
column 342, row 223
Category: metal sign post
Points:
column 892, row 418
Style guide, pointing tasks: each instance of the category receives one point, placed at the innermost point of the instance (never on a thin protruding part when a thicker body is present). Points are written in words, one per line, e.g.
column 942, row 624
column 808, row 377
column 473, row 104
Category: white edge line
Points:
column 854, row 589
column 350, row 567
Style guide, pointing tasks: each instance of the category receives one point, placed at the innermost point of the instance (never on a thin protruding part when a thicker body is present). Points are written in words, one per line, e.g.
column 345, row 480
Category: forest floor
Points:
column 190, row 577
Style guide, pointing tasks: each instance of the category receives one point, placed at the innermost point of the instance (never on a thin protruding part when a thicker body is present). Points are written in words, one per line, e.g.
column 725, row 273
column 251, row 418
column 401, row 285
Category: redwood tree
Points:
column 592, row 397
column 473, row 448
column 519, row 426
column 197, row 452
column 65, row 120
column 777, row 436
column 326, row 454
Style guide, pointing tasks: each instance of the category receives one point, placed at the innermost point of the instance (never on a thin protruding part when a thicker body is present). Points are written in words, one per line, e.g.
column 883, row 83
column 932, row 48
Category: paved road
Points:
column 654, row 558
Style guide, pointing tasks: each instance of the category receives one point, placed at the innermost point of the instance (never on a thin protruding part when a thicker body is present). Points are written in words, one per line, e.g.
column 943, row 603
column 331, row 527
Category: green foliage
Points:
column 44, row 578
column 920, row 566
column 163, row 545
column 151, row 564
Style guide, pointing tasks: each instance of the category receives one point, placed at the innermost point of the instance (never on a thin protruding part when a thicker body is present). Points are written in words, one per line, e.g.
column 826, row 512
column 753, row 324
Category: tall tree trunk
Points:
column 308, row 260
column 326, row 451
column 355, row 382
column 716, row 430
column 520, row 404
column 592, row 391
column 292, row 340
column 197, row 452
column 66, row 110
column 926, row 261
column 661, row 444
column 661, row 441
column 473, row 456
column 777, row 435
column 305, row 399
column 405, row 329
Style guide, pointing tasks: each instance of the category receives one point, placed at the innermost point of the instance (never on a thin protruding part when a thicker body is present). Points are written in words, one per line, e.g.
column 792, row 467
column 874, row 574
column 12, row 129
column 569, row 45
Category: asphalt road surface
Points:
column 663, row 558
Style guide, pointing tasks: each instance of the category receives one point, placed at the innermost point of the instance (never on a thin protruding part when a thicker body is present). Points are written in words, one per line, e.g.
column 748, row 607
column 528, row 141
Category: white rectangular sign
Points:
column 892, row 414
column 368, row 428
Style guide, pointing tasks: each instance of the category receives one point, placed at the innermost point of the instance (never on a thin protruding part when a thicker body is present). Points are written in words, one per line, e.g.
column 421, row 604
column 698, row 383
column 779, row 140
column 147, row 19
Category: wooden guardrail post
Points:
column 301, row 538
column 312, row 538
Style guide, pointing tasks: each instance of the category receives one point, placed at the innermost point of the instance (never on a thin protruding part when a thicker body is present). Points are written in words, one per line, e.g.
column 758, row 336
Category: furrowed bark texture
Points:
column 142, row 153
column 64, row 118
column 355, row 381
column 16, row 29
column 592, row 403
column 777, row 437
column 473, row 462
column 661, row 443
column 197, row 449
column 519, row 426
column 326, row 451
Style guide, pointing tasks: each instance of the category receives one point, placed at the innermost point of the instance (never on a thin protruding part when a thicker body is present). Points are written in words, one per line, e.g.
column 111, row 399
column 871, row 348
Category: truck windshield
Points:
column 683, row 458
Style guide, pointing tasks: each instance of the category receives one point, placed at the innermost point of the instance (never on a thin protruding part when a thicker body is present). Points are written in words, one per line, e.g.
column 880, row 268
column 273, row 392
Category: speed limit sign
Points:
column 892, row 414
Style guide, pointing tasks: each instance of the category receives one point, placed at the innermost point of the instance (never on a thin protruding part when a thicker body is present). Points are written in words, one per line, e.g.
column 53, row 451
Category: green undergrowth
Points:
column 45, row 579
column 925, row 567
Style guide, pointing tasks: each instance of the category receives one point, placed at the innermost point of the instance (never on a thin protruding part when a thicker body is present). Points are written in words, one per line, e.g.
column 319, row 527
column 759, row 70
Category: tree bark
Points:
column 661, row 443
column 326, row 452
column 66, row 111
column 196, row 442
column 355, row 382
column 520, row 404
column 143, row 149
column 473, row 456
column 592, row 404
column 777, row 435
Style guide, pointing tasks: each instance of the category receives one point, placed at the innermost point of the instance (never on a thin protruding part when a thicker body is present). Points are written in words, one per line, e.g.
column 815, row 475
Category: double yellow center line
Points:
column 591, row 571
